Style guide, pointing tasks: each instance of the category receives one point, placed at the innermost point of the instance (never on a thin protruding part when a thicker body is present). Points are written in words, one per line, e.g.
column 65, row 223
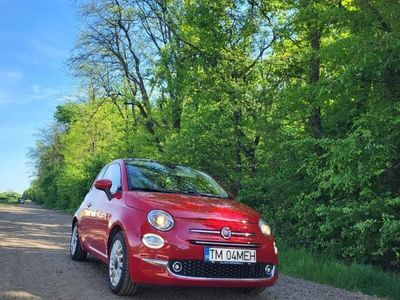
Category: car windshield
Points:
column 158, row 177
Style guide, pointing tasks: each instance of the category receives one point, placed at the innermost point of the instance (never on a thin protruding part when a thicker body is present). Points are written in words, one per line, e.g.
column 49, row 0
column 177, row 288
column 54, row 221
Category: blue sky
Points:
column 36, row 37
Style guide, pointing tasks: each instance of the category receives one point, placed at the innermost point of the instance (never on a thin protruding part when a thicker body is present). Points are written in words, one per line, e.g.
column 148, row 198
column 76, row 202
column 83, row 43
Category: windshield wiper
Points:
column 151, row 190
column 191, row 192
column 212, row 196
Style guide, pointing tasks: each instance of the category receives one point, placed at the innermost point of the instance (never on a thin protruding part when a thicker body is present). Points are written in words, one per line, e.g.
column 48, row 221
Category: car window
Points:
column 99, row 176
column 101, row 173
column 113, row 173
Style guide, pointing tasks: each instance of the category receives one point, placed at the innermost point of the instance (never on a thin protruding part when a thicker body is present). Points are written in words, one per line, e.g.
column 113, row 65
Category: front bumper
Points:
column 154, row 266
column 220, row 280
column 160, row 272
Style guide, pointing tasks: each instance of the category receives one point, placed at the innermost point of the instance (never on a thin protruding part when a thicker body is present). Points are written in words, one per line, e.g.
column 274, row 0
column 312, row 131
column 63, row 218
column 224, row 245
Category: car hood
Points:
column 192, row 206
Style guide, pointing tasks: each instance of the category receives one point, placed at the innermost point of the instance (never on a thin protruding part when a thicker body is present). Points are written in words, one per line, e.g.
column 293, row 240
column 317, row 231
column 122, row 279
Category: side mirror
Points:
column 104, row 185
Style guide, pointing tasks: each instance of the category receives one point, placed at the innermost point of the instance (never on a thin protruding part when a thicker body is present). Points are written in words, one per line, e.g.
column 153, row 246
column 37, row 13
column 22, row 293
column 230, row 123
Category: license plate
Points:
column 228, row 255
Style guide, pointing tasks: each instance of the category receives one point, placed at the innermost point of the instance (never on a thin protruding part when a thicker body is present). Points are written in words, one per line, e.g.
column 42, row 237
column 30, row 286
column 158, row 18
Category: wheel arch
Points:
column 116, row 227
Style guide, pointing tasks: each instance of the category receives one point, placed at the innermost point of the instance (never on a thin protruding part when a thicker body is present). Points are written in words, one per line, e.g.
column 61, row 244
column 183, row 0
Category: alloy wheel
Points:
column 74, row 240
column 116, row 262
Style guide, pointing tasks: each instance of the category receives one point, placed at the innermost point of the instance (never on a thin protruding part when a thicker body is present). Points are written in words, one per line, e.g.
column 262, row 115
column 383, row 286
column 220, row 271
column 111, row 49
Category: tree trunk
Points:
column 237, row 115
column 314, row 119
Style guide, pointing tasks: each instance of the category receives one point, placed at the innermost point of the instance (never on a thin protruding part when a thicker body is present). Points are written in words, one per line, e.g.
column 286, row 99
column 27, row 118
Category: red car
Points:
column 165, row 224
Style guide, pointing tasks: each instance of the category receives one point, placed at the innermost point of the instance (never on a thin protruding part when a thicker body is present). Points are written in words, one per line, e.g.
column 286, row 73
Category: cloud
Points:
column 10, row 79
column 35, row 88
column 42, row 92
column 10, row 75
column 6, row 97
column 46, row 50
column 39, row 51
column 52, row 96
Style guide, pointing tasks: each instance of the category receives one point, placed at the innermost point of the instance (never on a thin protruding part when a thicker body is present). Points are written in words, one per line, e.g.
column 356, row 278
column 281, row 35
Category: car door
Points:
column 87, row 212
column 103, row 209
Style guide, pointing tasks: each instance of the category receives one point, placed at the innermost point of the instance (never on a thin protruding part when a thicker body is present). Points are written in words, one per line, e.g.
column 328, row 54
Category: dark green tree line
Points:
column 293, row 105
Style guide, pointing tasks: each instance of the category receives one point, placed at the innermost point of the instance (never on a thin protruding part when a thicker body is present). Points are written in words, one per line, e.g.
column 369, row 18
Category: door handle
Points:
column 89, row 204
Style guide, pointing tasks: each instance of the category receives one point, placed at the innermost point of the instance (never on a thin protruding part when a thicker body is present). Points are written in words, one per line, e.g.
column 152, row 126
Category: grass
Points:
column 328, row 270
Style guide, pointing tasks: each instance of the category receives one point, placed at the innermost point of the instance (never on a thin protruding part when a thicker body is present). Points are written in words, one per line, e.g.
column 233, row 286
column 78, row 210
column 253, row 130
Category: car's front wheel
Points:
column 77, row 253
column 118, row 268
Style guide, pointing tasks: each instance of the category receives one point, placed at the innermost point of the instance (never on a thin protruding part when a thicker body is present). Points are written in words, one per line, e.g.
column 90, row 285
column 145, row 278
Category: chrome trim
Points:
column 234, row 233
column 156, row 262
column 221, row 279
column 225, row 244
column 206, row 231
column 144, row 241
column 97, row 251
column 164, row 263
column 246, row 234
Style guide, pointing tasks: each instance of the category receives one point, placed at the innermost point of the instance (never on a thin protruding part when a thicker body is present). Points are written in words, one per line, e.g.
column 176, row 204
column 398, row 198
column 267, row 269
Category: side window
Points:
column 99, row 176
column 101, row 173
column 113, row 173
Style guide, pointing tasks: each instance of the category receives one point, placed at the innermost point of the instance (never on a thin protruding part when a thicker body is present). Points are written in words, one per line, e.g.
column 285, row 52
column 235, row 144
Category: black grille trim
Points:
column 201, row 269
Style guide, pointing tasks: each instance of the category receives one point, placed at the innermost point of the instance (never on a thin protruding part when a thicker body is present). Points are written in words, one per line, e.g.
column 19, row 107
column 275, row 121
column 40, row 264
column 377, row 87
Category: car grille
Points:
column 197, row 268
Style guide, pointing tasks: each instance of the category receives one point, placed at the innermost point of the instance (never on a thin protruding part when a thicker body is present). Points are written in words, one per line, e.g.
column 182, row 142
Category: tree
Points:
column 293, row 105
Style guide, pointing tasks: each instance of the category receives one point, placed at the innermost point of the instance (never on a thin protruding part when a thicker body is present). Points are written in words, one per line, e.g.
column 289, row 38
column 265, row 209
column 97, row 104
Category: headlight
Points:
column 160, row 220
column 265, row 229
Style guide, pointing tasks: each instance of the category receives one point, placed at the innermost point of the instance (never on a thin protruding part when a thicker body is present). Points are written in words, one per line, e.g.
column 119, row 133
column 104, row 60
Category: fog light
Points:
column 177, row 266
column 268, row 270
column 153, row 241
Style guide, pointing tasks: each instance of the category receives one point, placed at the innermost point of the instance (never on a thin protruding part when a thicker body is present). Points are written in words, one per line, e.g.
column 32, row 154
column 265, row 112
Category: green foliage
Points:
column 292, row 105
column 327, row 269
column 9, row 197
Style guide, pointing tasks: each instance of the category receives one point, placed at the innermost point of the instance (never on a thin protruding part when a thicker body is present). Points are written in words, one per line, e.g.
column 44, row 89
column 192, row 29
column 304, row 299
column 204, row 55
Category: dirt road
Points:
column 35, row 264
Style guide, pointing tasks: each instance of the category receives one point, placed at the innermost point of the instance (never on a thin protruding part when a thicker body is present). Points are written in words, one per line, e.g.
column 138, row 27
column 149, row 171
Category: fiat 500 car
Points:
column 157, row 223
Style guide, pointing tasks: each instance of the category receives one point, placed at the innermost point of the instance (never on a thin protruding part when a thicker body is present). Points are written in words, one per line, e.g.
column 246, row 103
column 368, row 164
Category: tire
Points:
column 253, row 291
column 118, row 268
column 76, row 251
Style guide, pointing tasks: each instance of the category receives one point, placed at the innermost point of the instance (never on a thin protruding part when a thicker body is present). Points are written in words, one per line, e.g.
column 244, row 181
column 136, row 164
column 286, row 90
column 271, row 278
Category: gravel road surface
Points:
column 35, row 264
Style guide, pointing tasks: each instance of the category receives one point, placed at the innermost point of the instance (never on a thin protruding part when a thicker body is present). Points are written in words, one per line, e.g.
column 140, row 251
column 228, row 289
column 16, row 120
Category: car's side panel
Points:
column 85, row 214
column 98, row 222
column 108, row 207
